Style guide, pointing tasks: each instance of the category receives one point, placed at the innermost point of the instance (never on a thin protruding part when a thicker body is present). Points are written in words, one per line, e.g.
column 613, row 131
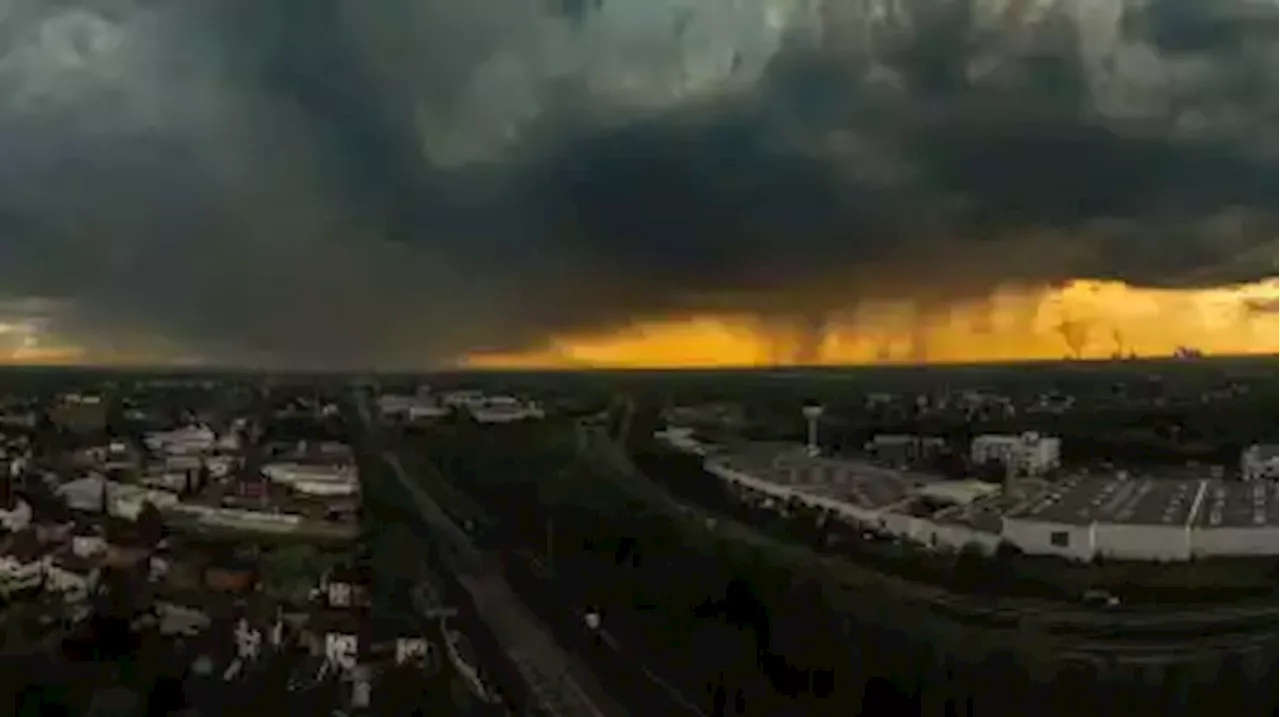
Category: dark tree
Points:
column 150, row 525
column 992, row 471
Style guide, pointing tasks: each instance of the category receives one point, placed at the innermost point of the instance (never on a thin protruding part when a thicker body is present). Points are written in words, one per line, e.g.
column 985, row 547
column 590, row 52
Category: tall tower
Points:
column 812, row 412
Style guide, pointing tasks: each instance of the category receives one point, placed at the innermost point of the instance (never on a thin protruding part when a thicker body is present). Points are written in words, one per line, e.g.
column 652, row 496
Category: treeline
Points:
column 1009, row 572
column 738, row 624
column 394, row 535
column 721, row 617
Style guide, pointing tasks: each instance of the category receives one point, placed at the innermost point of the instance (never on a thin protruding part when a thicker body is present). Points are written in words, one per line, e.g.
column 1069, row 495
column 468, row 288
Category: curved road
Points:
column 1094, row 630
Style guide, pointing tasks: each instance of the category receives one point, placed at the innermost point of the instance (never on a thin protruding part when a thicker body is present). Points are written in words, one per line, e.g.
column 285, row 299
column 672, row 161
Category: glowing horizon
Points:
column 1011, row 325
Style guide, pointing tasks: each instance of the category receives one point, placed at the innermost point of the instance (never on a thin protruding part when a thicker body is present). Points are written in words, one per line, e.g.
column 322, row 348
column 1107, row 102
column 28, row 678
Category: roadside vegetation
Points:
column 756, row 604
column 400, row 552
column 728, row 610
column 1009, row 572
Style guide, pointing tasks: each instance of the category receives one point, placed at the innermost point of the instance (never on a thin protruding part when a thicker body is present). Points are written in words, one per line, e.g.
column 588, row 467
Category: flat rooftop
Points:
column 1237, row 505
column 1080, row 501
column 982, row 518
column 987, row 514
column 838, row 480
column 1152, row 501
column 867, row 493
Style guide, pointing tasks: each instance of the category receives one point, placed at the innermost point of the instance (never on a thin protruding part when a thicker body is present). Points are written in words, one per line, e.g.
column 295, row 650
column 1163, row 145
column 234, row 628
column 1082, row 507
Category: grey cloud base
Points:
column 331, row 184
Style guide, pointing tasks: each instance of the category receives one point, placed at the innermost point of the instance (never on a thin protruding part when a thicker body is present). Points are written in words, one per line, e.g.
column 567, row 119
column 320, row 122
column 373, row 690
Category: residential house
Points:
column 15, row 517
column 22, row 563
column 72, row 576
column 346, row 587
column 1258, row 462
column 176, row 620
column 87, row 540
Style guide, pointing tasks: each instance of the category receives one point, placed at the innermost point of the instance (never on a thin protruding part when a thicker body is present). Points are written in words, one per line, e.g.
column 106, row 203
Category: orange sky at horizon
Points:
column 1010, row 325
column 28, row 349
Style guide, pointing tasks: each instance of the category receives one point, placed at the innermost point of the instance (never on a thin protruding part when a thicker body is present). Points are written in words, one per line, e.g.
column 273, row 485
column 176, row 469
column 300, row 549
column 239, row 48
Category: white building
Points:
column 958, row 493
column 86, row 493
column 85, row 544
column 462, row 398
column 183, row 462
column 21, row 568
column 236, row 518
column 681, row 439
column 412, row 407
column 390, row 404
column 157, row 568
column 248, row 641
column 122, row 500
column 182, row 441
column 1258, row 462
column 15, row 518
column 229, row 442
column 220, row 466
column 339, row 594
column 1027, row 454
column 129, row 504
column 1147, row 520
column 1080, row 519
column 504, row 409
column 361, row 688
column 181, row 620
column 174, row 482
column 900, row 448
column 341, row 650
column 411, row 649
column 319, row 480
column 74, row 584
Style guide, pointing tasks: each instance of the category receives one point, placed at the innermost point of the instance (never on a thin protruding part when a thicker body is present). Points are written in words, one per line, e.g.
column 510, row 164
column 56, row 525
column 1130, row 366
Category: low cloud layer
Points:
column 329, row 183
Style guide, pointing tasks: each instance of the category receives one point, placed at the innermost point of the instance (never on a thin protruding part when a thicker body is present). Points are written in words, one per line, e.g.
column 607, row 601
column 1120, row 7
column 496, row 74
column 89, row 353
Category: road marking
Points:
column 1195, row 504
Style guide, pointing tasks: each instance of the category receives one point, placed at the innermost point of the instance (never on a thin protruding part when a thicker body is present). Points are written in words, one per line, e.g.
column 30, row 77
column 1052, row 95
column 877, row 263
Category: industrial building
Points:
column 1258, row 462
column 1026, row 454
column 1079, row 519
column 904, row 450
column 1082, row 519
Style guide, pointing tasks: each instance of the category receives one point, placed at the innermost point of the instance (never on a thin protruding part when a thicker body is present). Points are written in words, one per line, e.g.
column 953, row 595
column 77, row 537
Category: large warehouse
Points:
column 1079, row 519
column 871, row 496
column 1147, row 519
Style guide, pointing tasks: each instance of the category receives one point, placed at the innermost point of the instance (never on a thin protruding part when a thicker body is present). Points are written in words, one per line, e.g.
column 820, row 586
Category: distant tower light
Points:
column 812, row 412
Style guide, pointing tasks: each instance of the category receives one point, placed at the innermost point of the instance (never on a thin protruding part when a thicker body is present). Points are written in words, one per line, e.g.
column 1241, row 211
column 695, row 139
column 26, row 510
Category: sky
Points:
column 423, row 183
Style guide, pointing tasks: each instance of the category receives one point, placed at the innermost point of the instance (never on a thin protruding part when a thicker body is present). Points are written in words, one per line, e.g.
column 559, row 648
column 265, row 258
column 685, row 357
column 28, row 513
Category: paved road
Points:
column 668, row 698
column 1024, row 614
column 563, row 685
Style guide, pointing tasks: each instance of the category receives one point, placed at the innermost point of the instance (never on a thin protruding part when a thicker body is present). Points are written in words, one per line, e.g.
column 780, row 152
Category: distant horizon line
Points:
column 180, row 368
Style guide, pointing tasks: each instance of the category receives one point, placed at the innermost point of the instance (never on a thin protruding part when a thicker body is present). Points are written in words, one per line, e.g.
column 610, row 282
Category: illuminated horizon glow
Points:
column 44, row 356
column 1009, row 325
column 29, row 347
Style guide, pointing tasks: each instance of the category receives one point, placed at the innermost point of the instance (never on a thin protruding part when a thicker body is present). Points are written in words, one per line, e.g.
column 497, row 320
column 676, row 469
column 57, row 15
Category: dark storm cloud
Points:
column 318, row 182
